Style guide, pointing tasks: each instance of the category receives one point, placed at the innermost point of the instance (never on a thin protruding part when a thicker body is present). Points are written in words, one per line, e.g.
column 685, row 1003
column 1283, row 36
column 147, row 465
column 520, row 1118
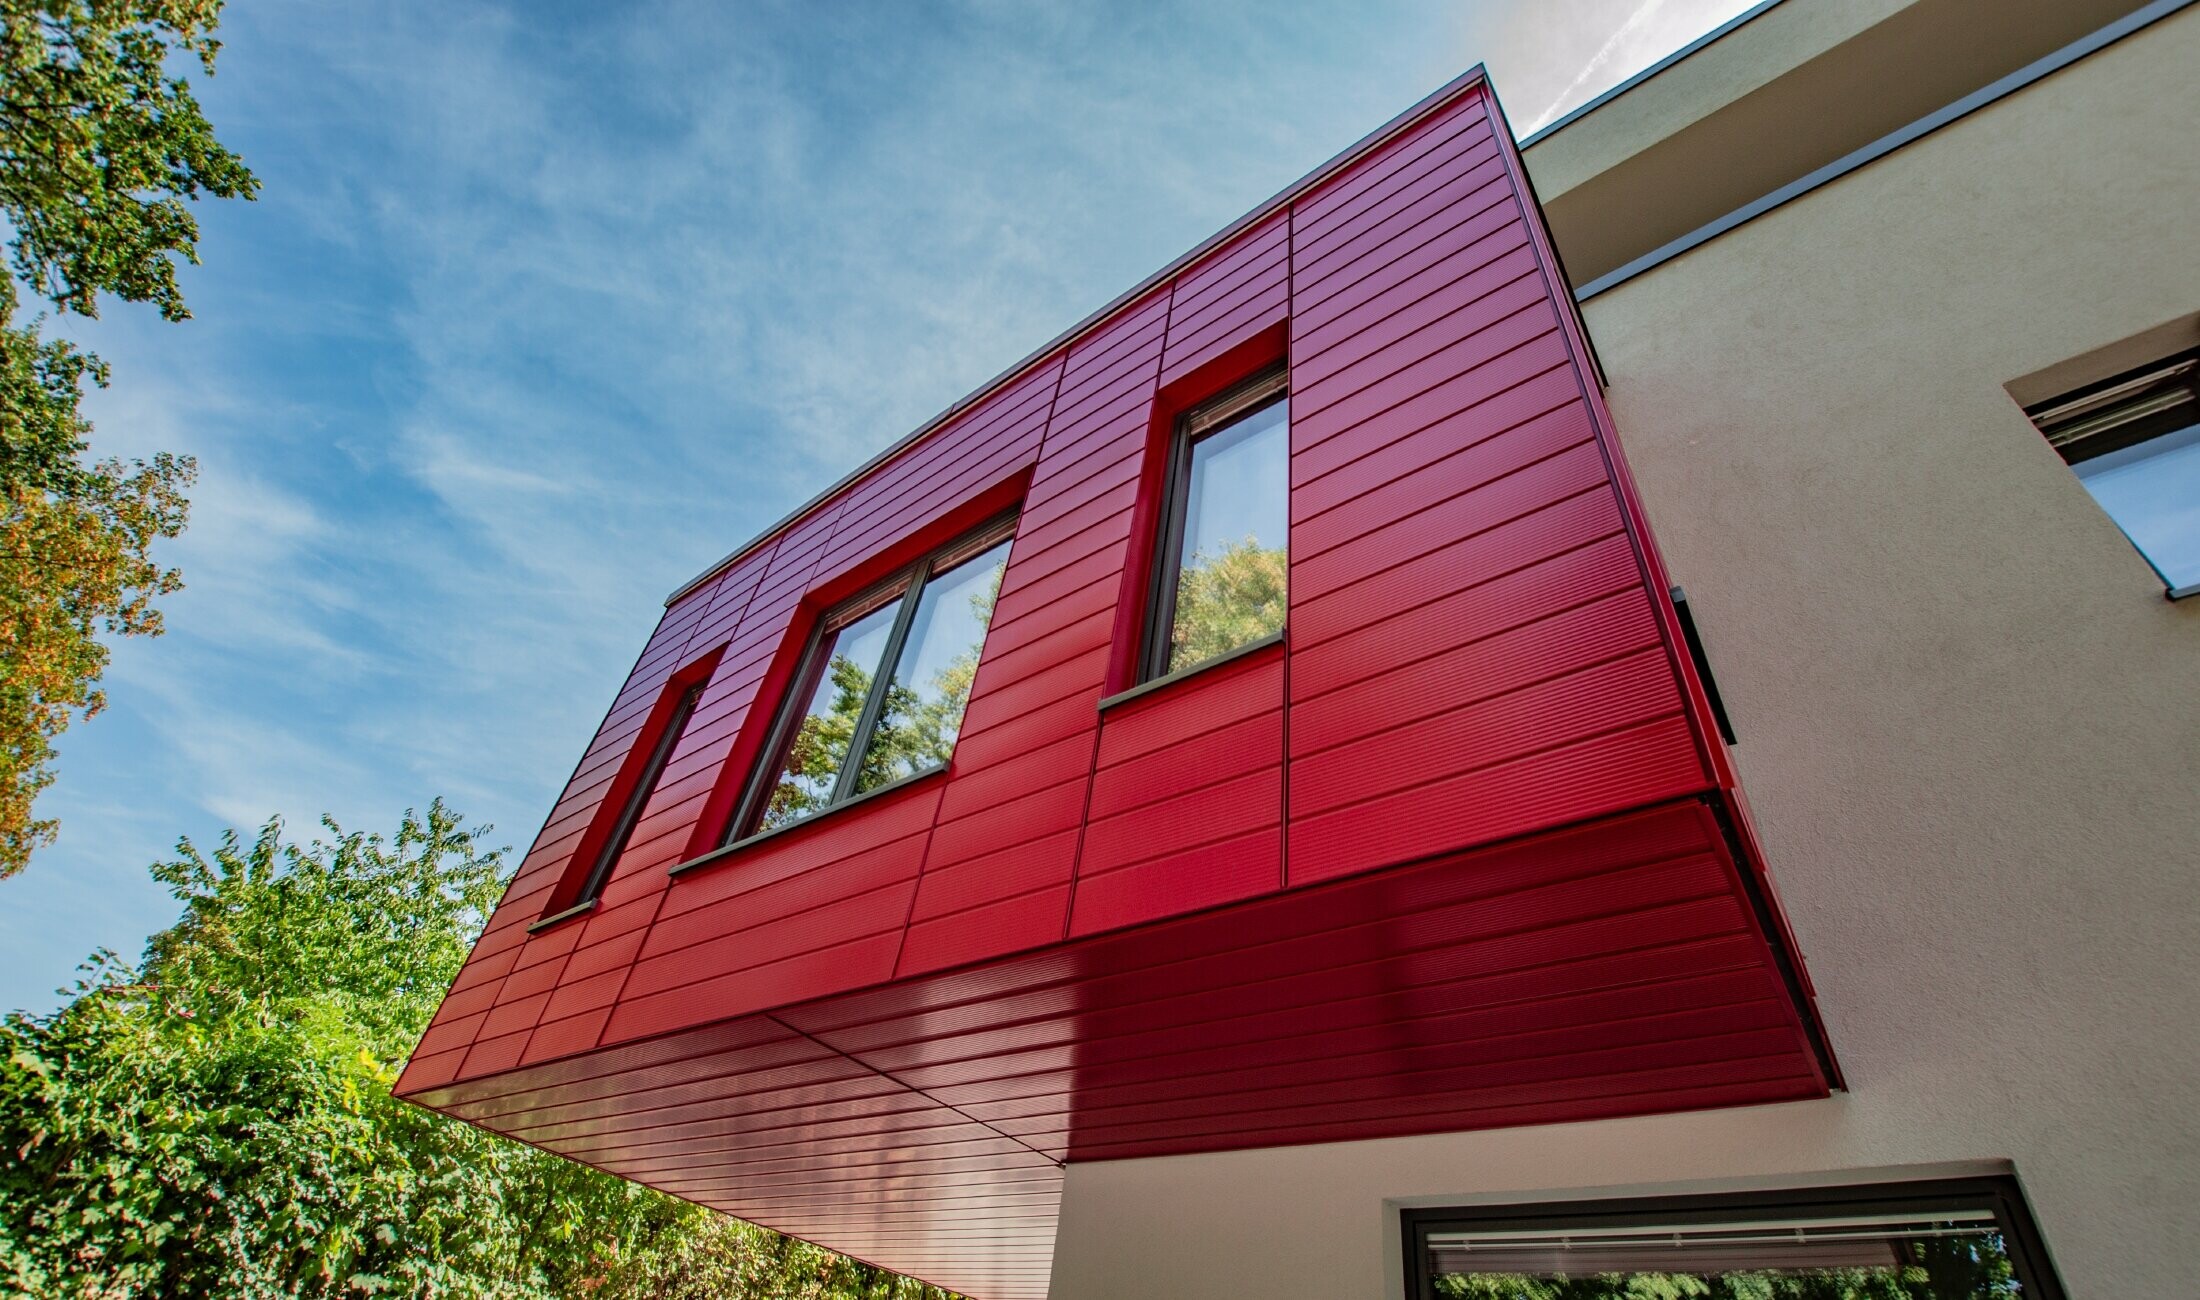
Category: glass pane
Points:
column 1960, row 1257
column 820, row 745
column 924, row 705
column 1230, row 582
column 2152, row 491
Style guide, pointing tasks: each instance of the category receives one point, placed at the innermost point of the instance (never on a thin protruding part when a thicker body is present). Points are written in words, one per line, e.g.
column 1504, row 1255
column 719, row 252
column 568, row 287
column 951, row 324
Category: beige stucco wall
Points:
column 1970, row 725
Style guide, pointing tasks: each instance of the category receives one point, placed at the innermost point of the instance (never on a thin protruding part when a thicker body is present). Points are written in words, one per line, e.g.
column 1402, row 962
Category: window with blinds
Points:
column 2134, row 441
column 1917, row 1242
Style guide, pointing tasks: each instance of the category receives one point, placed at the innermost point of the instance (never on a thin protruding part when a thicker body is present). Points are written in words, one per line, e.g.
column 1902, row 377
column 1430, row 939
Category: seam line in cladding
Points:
column 549, row 819
column 1290, row 526
column 657, row 910
column 889, row 1076
column 1692, row 800
column 931, row 835
column 1999, row 89
column 1130, row 544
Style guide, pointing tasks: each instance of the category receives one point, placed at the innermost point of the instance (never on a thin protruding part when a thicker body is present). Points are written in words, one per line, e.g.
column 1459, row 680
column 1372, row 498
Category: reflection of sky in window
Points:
column 950, row 621
column 2152, row 491
column 1241, row 485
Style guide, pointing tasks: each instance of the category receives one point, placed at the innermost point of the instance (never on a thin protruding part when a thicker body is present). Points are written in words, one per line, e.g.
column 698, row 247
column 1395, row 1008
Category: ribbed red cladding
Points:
column 1458, row 851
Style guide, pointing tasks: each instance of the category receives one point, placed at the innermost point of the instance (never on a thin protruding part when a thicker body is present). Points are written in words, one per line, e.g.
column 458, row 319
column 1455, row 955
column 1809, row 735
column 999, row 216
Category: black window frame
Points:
column 615, row 843
column 905, row 585
column 1231, row 407
column 1999, row 1195
column 2122, row 411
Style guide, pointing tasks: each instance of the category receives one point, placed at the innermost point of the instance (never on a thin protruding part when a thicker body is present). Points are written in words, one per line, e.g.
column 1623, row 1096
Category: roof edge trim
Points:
column 1595, row 102
column 1476, row 76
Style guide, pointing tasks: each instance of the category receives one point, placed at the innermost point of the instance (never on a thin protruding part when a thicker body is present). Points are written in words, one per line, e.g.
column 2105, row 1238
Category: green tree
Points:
column 1227, row 599
column 101, row 147
column 216, row 1120
column 916, row 728
column 1957, row 1267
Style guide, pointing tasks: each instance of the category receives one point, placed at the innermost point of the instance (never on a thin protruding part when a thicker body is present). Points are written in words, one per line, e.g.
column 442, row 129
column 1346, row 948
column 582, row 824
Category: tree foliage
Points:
column 101, row 149
column 916, row 728
column 1224, row 600
column 1957, row 1267
column 217, row 1120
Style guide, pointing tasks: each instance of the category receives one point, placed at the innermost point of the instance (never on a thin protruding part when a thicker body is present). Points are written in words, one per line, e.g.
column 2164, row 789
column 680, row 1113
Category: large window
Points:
column 2134, row 442
column 1220, row 576
column 881, row 691
column 1947, row 1240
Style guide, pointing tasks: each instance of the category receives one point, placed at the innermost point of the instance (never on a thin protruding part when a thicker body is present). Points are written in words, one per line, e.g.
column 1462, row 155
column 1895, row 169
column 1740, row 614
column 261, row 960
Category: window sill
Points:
column 725, row 851
column 1170, row 679
column 577, row 909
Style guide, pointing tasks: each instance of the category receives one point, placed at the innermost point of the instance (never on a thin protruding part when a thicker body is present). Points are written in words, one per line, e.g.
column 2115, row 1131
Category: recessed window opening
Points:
column 645, row 785
column 880, row 695
column 2134, row 441
column 1923, row 1241
column 1221, row 568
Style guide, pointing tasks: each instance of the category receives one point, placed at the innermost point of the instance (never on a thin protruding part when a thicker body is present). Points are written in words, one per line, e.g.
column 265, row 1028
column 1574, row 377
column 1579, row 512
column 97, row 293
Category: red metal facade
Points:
column 1462, row 850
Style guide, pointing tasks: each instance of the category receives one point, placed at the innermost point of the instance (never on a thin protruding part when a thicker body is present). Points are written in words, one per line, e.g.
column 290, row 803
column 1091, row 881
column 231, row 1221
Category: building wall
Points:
column 1968, row 721
column 1476, row 649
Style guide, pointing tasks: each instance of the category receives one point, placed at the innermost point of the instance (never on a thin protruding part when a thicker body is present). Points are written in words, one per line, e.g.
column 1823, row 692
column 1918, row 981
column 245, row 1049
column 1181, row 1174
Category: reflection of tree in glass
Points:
column 917, row 728
column 1225, row 600
column 820, row 744
column 1948, row 1268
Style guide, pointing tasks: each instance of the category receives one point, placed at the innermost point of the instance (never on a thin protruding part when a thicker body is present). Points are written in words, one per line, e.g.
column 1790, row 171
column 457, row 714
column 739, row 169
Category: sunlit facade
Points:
column 1605, row 711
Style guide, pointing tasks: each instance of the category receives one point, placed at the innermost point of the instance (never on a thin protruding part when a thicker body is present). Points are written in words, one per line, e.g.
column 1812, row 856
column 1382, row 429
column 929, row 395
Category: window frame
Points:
column 664, row 740
column 905, row 585
column 1237, row 403
column 2000, row 1195
column 2126, row 410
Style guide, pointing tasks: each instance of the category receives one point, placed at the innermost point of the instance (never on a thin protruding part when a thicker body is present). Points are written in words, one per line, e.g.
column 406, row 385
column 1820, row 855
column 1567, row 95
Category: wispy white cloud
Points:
column 544, row 308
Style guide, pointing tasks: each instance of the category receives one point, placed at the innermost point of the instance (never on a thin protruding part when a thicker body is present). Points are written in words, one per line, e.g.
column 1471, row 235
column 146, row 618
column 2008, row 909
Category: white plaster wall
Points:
column 1970, row 725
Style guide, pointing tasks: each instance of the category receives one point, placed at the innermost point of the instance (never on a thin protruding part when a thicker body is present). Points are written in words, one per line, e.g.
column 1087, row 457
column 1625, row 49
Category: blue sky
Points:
column 546, row 306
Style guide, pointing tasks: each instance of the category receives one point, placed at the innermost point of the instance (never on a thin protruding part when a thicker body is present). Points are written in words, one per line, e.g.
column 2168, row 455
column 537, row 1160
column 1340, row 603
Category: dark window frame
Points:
column 1999, row 1195
column 1231, row 407
column 905, row 585
column 667, row 739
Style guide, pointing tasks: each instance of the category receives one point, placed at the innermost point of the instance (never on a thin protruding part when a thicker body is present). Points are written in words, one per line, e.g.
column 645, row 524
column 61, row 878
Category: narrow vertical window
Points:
column 882, row 689
column 2134, row 441
column 630, row 811
column 1223, row 558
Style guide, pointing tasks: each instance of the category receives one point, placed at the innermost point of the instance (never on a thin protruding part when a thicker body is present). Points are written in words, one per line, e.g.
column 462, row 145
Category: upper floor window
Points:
column 881, row 691
column 661, row 735
column 2134, row 442
column 1220, row 570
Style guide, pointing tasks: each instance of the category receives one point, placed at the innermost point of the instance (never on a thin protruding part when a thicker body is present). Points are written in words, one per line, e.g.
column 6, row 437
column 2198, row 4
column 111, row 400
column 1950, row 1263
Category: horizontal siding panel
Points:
column 1517, row 599
column 1490, row 731
column 1031, row 865
column 1617, row 625
column 1478, row 231
column 796, row 979
column 1189, row 708
column 1230, row 750
column 1437, row 184
column 836, row 922
column 1643, row 764
column 1172, row 825
column 1517, row 484
column 1026, row 921
column 1480, row 557
column 1173, row 884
